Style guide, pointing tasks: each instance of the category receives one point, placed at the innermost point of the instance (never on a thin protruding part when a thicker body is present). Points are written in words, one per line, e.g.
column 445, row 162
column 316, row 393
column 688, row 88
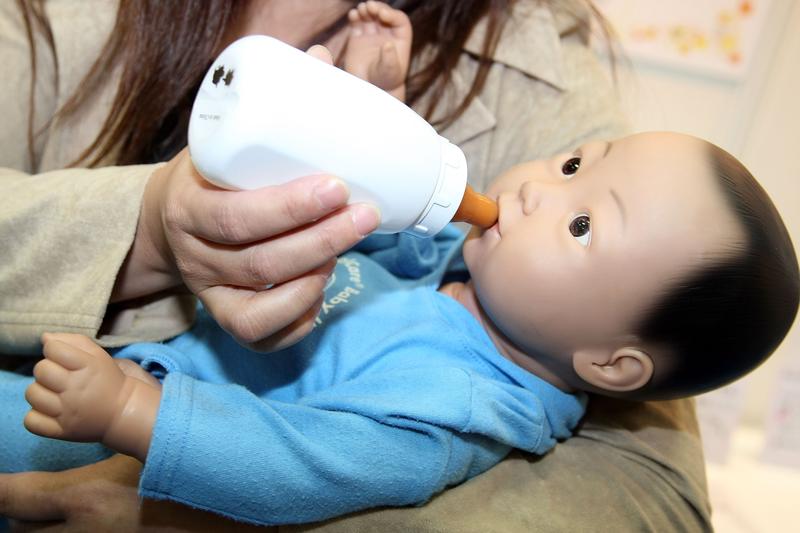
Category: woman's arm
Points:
column 100, row 497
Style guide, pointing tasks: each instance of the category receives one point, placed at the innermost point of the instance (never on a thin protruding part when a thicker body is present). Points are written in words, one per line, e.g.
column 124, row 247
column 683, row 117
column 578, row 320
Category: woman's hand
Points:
column 258, row 260
column 102, row 495
column 98, row 497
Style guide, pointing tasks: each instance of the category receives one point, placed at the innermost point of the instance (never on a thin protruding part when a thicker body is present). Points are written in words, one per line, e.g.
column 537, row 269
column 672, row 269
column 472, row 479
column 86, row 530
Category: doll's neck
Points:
column 464, row 293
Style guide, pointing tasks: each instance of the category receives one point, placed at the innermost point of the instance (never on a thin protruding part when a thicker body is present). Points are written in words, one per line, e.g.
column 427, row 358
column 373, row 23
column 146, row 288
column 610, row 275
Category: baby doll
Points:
column 649, row 267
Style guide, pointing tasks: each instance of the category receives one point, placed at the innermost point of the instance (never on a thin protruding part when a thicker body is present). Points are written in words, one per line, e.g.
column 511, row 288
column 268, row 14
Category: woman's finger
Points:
column 280, row 259
column 25, row 496
column 109, row 486
column 253, row 316
column 241, row 217
column 292, row 333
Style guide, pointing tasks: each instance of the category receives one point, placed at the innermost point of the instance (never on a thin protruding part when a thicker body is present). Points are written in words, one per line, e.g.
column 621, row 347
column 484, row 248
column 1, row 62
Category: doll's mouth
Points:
column 501, row 215
column 494, row 229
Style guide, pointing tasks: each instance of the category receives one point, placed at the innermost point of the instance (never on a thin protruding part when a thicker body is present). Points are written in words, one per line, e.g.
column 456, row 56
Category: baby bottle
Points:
column 267, row 113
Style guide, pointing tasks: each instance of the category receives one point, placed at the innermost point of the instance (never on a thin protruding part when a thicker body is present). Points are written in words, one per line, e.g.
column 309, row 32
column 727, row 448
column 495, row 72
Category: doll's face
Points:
column 586, row 241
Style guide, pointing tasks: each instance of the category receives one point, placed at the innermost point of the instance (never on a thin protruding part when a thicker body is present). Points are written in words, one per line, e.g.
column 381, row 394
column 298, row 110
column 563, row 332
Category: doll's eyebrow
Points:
column 622, row 212
column 608, row 148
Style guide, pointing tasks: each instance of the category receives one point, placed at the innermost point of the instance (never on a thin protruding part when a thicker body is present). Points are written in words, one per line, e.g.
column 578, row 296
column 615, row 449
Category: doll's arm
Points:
column 276, row 463
column 81, row 394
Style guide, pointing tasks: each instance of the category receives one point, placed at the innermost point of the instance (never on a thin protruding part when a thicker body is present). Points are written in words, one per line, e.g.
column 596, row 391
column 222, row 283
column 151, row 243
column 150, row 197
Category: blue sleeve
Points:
column 221, row 448
column 409, row 256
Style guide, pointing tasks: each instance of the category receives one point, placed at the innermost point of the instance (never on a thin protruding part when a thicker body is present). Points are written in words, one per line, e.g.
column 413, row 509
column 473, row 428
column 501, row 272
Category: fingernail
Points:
column 331, row 193
column 365, row 218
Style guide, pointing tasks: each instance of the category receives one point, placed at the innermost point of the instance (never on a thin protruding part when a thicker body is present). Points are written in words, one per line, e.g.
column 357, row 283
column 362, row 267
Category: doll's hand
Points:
column 81, row 394
column 76, row 391
column 379, row 46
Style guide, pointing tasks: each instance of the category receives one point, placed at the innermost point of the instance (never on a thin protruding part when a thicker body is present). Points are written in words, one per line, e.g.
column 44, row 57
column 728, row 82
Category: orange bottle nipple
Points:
column 476, row 209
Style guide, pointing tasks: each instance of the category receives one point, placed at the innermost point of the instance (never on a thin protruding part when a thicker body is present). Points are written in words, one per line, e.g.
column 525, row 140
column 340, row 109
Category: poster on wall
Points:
column 710, row 37
column 782, row 443
column 719, row 413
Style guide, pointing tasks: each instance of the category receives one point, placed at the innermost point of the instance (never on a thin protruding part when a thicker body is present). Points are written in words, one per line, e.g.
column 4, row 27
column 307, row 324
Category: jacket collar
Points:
column 530, row 43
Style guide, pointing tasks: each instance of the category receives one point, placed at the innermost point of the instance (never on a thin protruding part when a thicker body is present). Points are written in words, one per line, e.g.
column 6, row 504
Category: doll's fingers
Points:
column 383, row 13
column 78, row 341
column 43, row 425
column 51, row 375
column 65, row 355
column 43, row 400
column 373, row 7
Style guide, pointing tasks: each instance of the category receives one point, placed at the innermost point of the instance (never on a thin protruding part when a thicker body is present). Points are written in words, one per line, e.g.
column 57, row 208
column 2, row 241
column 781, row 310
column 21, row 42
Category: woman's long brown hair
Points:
column 163, row 49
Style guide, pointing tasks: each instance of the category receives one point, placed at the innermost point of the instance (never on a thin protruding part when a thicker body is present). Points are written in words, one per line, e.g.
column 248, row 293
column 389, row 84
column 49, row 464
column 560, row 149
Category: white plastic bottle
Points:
column 267, row 113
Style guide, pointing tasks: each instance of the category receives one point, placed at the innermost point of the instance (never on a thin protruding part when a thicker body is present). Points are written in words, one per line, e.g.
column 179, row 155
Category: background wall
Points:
column 752, row 429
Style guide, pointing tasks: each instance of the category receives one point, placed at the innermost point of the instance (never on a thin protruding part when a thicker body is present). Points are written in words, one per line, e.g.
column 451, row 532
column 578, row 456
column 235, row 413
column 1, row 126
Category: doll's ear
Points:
column 614, row 369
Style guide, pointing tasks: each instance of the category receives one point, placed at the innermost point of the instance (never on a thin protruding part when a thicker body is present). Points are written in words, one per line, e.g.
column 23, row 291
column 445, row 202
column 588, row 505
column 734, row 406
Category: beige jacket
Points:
column 543, row 96
column 65, row 233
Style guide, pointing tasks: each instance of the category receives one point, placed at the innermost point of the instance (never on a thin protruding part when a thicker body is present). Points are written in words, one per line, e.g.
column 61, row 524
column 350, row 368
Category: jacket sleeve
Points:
column 64, row 235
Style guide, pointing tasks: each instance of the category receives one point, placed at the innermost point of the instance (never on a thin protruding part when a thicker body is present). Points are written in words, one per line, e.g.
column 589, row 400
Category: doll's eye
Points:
column 571, row 166
column 581, row 229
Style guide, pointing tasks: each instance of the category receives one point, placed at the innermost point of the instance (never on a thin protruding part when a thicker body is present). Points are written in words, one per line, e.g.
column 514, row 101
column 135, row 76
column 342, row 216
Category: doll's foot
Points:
column 379, row 46
column 78, row 392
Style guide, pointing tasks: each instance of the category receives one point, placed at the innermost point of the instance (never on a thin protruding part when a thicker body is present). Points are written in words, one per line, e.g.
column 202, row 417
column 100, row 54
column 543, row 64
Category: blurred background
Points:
column 729, row 71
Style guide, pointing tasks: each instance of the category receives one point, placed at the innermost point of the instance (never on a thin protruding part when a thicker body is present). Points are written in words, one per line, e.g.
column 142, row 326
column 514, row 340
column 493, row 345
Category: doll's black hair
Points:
column 724, row 320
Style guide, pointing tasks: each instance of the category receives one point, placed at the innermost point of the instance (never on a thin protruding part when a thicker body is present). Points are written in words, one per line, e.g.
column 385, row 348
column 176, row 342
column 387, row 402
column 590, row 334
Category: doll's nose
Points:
column 534, row 193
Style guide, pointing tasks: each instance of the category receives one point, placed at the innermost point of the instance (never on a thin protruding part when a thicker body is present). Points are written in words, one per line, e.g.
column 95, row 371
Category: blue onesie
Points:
column 397, row 394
